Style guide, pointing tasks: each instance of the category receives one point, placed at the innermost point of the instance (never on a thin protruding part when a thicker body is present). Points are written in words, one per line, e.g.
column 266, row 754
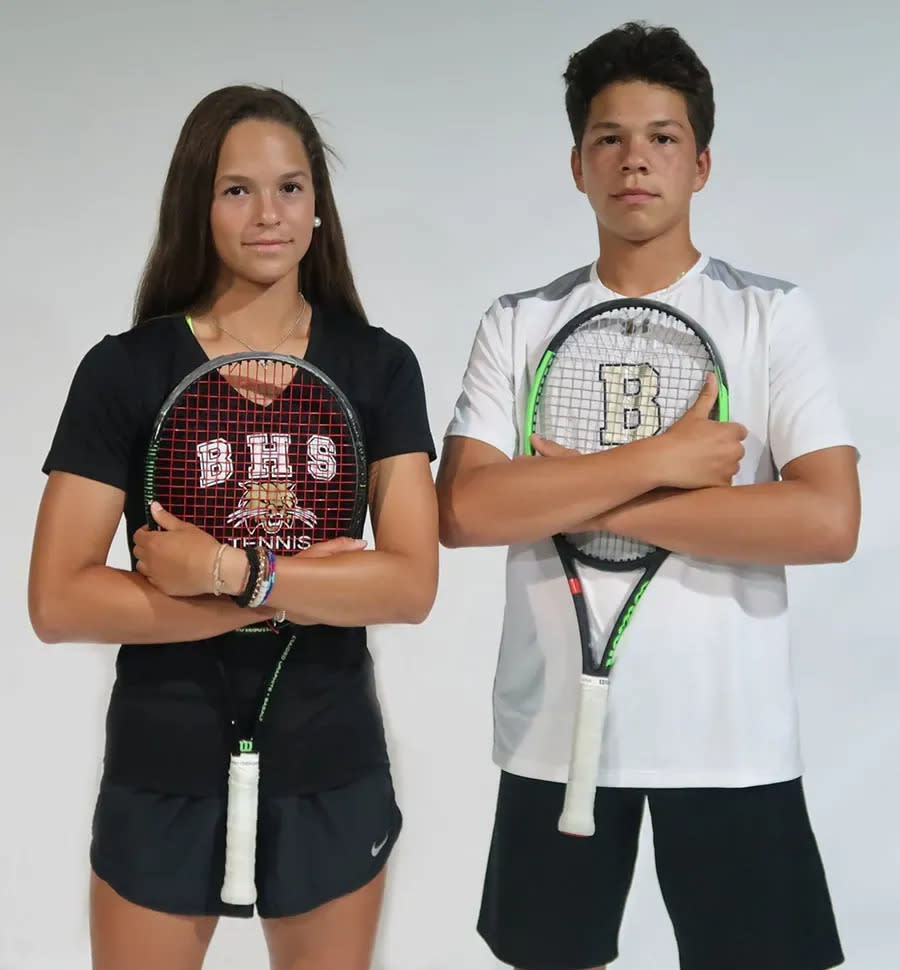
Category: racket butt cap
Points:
column 576, row 825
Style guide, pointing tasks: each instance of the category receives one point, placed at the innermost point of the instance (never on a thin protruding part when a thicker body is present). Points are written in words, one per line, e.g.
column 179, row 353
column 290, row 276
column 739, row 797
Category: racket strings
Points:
column 262, row 385
column 621, row 376
column 260, row 452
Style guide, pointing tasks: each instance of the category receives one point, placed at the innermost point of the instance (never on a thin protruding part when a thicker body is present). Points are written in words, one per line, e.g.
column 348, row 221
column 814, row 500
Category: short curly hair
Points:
column 638, row 52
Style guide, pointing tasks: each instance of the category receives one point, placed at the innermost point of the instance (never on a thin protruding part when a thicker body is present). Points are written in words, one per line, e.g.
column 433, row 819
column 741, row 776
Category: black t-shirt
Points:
column 166, row 726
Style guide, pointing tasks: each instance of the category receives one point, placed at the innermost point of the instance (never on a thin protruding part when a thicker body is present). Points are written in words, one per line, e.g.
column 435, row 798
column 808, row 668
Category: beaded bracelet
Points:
column 267, row 575
column 270, row 579
column 260, row 577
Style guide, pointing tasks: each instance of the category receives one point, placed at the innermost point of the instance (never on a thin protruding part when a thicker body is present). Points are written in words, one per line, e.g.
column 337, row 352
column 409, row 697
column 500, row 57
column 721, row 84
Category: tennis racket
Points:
column 616, row 373
column 257, row 449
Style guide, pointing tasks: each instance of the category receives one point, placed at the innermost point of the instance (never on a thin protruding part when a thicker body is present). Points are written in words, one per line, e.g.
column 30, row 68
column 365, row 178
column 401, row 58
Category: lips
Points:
column 635, row 195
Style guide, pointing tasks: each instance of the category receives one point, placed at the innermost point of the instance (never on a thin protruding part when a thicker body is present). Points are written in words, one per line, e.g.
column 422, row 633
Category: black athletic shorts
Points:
column 167, row 852
column 739, row 870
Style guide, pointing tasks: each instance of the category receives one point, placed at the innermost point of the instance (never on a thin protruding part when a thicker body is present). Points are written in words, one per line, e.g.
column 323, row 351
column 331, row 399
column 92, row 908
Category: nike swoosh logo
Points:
column 377, row 847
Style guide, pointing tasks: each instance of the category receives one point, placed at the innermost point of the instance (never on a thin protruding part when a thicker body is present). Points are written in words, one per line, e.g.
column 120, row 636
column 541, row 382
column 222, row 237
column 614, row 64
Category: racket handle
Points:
column 239, row 886
column 590, row 715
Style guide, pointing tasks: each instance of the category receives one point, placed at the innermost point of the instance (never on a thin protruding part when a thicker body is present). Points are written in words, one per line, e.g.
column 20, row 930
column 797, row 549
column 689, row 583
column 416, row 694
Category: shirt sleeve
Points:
column 486, row 407
column 805, row 411
column 97, row 428
column 399, row 423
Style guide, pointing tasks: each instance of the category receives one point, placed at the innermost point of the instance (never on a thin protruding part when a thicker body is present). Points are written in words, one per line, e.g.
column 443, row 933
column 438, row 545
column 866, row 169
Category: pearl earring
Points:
column 317, row 222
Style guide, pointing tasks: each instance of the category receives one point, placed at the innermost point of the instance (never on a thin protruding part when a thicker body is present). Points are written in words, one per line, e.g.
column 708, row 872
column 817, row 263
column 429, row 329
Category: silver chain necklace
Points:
column 256, row 350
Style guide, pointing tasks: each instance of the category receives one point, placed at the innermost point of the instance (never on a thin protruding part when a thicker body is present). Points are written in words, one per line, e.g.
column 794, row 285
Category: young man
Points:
column 702, row 720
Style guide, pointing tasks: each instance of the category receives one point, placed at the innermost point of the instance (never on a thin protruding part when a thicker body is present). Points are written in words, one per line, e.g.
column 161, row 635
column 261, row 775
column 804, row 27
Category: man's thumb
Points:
column 707, row 396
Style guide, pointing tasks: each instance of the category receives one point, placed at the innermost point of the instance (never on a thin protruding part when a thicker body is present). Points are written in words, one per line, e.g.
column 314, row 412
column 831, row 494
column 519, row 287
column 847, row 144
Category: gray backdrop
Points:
column 454, row 187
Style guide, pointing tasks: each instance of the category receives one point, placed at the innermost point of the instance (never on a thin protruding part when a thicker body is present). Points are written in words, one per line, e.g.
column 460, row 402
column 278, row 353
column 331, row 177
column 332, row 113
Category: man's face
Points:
column 638, row 162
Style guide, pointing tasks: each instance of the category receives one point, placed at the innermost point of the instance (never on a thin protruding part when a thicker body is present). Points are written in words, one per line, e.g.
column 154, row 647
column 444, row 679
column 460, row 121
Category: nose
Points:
column 634, row 157
column 267, row 211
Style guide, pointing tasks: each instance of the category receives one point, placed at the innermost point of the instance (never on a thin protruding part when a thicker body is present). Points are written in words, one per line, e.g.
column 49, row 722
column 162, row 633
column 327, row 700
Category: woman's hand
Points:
column 321, row 550
column 178, row 560
column 333, row 547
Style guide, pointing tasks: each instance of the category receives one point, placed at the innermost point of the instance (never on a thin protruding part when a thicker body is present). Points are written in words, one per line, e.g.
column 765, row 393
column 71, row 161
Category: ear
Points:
column 577, row 171
column 704, row 164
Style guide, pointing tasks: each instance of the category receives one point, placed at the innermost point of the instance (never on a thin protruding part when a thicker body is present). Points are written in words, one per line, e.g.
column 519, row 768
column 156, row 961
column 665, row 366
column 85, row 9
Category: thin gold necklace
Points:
column 663, row 291
column 664, row 295
column 256, row 350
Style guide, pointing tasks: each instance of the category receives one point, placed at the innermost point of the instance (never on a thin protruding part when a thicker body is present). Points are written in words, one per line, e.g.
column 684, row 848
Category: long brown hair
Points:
column 182, row 267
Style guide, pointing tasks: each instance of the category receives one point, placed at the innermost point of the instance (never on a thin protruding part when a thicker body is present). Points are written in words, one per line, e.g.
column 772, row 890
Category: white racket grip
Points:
column 590, row 715
column 239, row 886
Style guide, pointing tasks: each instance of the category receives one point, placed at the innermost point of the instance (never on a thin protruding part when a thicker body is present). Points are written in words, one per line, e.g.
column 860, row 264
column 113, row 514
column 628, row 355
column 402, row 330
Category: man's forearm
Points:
column 785, row 523
column 530, row 498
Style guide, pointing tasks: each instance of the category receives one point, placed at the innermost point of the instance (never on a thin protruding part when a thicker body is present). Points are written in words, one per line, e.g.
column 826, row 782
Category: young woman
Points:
column 249, row 254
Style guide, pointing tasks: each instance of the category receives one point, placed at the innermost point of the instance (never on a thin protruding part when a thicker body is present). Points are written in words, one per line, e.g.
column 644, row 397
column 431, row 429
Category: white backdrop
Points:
column 454, row 188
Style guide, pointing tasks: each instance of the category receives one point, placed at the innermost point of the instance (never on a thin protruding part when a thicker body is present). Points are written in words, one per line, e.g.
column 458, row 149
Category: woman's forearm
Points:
column 100, row 604
column 351, row 589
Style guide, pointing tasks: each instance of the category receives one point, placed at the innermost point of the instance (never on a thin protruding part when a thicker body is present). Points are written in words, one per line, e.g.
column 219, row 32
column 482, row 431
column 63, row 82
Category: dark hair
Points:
column 638, row 52
column 182, row 267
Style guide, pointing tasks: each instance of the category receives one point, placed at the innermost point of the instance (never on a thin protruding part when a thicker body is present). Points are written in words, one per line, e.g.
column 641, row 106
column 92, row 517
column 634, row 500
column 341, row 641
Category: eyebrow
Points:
column 234, row 177
column 615, row 126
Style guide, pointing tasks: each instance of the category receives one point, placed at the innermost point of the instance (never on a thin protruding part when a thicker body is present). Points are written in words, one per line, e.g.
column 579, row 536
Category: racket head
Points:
column 259, row 449
column 617, row 372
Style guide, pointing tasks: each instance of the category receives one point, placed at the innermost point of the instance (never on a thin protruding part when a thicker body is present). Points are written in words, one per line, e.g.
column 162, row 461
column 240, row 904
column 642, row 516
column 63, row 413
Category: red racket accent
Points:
column 261, row 452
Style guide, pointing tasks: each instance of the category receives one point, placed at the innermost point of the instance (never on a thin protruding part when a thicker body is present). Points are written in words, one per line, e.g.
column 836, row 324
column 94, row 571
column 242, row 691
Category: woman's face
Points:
column 263, row 202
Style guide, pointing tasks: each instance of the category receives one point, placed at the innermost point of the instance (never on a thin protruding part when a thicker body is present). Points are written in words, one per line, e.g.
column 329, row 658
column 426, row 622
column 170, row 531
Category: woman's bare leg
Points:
column 125, row 935
column 339, row 935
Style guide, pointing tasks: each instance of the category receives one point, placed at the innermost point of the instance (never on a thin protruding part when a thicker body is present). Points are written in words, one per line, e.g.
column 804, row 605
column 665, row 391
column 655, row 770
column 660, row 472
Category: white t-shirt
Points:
column 701, row 702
